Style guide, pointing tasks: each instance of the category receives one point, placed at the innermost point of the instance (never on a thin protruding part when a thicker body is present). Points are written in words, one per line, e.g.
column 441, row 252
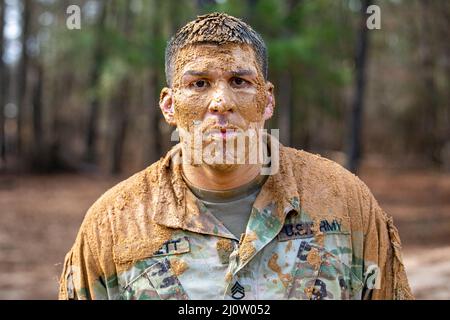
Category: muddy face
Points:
column 217, row 90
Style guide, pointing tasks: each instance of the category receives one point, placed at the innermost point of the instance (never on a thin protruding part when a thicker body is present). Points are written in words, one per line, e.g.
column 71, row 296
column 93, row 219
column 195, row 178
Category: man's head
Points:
column 217, row 28
column 216, row 69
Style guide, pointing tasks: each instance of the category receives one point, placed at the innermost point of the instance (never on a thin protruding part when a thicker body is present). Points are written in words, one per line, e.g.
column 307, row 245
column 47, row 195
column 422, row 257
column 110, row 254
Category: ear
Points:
column 268, row 110
column 167, row 106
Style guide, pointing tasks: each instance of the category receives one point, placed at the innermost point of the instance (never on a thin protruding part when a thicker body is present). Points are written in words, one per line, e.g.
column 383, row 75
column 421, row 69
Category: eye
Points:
column 200, row 84
column 238, row 82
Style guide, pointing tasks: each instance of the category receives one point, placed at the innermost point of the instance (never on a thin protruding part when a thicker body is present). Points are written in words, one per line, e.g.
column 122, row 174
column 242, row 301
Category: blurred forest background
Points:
column 79, row 112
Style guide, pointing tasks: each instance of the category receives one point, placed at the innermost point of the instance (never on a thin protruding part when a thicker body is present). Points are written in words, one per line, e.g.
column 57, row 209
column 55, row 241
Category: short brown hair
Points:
column 217, row 28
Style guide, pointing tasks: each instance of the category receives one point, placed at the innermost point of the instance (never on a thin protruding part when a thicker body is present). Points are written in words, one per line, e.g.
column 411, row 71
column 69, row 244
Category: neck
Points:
column 210, row 178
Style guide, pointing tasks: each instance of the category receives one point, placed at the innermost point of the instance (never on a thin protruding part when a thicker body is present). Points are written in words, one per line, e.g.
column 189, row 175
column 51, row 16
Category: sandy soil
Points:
column 40, row 215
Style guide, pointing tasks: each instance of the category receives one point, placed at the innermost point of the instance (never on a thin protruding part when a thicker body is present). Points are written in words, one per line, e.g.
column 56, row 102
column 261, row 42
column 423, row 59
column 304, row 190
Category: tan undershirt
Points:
column 231, row 207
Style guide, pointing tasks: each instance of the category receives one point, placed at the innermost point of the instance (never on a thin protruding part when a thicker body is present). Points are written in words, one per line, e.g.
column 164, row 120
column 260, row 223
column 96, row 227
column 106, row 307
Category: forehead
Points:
column 227, row 57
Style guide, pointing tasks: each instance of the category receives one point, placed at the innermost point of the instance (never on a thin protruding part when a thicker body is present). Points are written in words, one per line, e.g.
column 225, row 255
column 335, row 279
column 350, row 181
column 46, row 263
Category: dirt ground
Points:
column 40, row 215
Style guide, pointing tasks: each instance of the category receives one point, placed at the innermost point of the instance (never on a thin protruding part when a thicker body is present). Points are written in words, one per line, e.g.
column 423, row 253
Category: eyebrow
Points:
column 196, row 73
column 242, row 72
column 235, row 73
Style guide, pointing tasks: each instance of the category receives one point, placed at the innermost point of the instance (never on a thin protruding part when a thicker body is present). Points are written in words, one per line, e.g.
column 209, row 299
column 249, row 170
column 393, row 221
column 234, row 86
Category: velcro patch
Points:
column 174, row 246
column 304, row 229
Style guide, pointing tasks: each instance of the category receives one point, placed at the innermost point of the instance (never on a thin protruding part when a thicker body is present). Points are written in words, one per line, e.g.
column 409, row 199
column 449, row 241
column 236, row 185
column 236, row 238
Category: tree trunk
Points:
column 285, row 107
column 3, row 85
column 286, row 81
column 94, row 100
column 354, row 140
column 120, row 124
column 38, row 153
column 151, row 95
column 23, row 75
column 153, row 143
column 120, row 111
column 430, row 144
column 62, row 82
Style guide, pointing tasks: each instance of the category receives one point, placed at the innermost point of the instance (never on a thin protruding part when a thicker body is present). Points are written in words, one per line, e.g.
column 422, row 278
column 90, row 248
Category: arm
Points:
column 384, row 273
column 89, row 271
column 82, row 278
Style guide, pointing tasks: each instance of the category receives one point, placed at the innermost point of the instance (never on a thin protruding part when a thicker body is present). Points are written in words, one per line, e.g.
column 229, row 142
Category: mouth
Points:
column 222, row 132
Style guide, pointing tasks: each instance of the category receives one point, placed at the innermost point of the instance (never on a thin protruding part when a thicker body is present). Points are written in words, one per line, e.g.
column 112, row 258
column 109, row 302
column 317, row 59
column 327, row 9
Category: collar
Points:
column 177, row 207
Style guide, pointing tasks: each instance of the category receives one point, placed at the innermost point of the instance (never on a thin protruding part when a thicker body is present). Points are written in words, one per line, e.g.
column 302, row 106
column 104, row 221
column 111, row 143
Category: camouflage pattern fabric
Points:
column 315, row 232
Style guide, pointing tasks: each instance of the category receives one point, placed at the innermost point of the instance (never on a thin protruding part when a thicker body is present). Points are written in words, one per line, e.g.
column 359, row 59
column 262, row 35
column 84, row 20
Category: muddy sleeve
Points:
column 384, row 273
column 82, row 278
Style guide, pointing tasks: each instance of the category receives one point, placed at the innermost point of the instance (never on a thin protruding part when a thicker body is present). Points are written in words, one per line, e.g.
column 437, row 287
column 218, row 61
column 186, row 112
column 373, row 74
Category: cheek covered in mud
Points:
column 191, row 107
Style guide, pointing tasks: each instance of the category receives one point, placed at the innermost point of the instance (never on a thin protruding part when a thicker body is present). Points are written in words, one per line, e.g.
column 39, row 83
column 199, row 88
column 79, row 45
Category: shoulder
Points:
column 314, row 169
column 116, row 217
column 327, row 188
column 119, row 206
column 124, row 194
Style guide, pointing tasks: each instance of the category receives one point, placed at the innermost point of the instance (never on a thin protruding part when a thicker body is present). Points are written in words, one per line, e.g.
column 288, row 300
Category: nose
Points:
column 221, row 103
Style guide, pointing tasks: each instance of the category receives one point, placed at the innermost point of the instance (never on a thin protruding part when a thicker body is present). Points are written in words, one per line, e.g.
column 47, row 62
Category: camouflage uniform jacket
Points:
column 315, row 232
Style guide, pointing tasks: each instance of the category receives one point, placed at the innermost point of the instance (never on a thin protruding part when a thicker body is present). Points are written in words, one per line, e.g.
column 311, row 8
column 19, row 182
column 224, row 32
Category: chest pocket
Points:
column 153, row 278
column 318, row 274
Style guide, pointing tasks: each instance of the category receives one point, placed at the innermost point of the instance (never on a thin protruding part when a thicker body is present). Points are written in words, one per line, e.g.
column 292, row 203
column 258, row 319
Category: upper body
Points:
column 315, row 231
column 308, row 230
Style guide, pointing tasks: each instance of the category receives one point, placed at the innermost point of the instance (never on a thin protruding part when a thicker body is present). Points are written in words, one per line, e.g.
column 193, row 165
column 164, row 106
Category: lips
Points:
column 222, row 128
column 222, row 132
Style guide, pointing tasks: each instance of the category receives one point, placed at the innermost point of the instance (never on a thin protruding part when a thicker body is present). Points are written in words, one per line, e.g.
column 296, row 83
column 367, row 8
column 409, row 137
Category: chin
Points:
column 223, row 167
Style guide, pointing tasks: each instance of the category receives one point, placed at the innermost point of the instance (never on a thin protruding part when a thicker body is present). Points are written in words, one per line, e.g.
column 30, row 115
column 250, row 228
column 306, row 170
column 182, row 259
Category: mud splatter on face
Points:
column 204, row 72
column 218, row 94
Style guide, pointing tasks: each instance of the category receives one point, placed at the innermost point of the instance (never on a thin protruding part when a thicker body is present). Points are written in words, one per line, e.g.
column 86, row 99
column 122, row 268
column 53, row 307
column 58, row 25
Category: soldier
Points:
column 197, row 225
